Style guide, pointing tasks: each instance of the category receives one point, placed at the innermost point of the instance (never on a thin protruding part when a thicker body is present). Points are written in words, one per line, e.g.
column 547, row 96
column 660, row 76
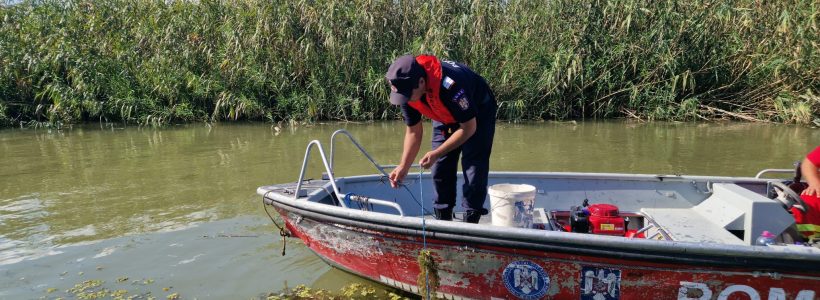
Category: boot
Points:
column 444, row 214
column 472, row 216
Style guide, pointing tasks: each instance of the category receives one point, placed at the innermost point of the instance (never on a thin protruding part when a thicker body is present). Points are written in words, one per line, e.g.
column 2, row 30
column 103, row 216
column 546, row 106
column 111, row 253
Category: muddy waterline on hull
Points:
column 177, row 205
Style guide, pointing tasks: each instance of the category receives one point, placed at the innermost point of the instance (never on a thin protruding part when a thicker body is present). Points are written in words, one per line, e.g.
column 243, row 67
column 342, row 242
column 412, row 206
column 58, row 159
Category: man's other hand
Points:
column 811, row 191
column 429, row 159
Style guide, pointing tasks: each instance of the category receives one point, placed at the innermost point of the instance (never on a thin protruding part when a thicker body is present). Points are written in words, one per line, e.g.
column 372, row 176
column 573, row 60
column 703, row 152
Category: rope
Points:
column 347, row 199
column 284, row 233
column 404, row 185
column 423, row 223
column 414, row 196
column 427, row 265
column 424, row 231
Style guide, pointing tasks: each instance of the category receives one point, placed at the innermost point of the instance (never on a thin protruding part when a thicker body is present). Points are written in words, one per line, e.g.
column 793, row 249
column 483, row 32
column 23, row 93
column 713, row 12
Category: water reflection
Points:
column 731, row 149
column 89, row 184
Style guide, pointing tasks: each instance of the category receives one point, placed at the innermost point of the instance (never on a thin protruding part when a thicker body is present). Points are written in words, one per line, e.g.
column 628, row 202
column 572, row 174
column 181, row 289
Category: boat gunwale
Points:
column 710, row 262
column 734, row 255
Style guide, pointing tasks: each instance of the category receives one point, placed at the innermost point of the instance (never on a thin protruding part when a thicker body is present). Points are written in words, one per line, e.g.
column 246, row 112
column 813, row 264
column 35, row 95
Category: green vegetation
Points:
column 354, row 291
column 155, row 61
column 96, row 289
column 428, row 280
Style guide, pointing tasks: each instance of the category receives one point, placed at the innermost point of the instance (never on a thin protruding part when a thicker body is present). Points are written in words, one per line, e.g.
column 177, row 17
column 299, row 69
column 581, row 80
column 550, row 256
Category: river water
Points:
column 174, row 210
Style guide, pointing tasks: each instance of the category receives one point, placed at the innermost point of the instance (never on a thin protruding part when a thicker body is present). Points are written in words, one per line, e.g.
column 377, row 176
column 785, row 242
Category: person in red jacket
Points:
column 808, row 222
column 463, row 108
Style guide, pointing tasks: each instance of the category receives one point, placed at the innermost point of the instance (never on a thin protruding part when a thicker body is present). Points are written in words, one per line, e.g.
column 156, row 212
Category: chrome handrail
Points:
column 782, row 171
column 355, row 143
column 327, row 168
column 361, row 149
column 332, row 179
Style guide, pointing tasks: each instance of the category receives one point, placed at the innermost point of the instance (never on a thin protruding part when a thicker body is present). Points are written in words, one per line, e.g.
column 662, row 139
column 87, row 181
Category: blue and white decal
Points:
column 526, row 280
column 600, row 283
column 448, row 82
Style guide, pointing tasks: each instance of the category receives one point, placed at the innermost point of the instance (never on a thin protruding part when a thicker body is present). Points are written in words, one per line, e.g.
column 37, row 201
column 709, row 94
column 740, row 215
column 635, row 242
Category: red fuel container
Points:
column 605, row 219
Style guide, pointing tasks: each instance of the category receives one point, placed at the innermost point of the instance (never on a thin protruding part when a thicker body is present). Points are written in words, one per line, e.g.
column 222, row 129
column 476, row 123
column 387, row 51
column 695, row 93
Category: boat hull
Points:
column 486, row 270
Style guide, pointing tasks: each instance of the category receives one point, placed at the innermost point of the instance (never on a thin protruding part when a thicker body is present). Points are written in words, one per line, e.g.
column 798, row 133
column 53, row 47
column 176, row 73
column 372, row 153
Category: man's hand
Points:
column 428, row 160
column 397, row 176
column 811, row 191
column 812, row 176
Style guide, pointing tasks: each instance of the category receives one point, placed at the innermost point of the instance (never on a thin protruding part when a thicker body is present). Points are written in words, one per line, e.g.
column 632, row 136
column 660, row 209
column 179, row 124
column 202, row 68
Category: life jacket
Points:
column 808, row 223
column 434, row 108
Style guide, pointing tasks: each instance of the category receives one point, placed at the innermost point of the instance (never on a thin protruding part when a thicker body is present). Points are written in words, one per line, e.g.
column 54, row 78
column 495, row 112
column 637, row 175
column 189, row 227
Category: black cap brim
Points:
column 400, row 97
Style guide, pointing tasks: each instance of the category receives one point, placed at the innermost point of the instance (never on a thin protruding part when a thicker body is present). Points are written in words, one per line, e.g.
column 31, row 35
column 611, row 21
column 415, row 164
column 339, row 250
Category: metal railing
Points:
column 355, row 143
column 778, row 171
column 378, row 166
column 332, row 179
column 304, row 166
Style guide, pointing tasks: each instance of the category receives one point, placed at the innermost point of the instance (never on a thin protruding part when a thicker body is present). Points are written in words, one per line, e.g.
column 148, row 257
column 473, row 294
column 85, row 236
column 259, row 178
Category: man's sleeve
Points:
column 411, row 115
column 814, row 156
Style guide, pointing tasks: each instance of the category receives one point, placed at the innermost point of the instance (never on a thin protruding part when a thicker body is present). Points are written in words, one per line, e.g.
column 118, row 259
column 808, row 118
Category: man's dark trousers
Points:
column 475, row 162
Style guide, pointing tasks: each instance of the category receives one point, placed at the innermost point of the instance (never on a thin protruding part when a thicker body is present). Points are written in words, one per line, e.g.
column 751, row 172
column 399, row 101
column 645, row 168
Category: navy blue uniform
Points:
column 466, row 96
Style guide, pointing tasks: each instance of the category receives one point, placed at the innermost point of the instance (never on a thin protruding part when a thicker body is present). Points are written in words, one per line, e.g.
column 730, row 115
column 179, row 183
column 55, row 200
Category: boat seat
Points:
column 685, row 224
column 734, row 207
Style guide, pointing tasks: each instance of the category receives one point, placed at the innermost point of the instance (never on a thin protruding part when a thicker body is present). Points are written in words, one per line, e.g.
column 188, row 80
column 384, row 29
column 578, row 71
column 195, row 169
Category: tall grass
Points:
column 155, row 62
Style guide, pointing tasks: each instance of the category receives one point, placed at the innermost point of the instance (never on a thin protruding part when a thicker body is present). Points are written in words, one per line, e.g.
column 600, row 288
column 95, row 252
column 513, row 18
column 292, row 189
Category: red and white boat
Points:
column 692, row 237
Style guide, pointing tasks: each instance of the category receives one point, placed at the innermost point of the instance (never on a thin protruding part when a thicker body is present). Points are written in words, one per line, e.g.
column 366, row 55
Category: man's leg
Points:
column 444, row 177
column 475, row 165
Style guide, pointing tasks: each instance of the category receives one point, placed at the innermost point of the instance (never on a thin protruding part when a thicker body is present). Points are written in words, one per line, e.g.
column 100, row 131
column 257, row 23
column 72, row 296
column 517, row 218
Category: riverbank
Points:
column 159, row 62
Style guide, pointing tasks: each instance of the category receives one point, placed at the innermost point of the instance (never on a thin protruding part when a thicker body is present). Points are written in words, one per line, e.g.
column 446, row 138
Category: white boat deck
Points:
column 686, row 225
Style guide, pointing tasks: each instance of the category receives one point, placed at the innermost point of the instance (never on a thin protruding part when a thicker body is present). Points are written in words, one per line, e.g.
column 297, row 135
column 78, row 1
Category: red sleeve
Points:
column 814, row 156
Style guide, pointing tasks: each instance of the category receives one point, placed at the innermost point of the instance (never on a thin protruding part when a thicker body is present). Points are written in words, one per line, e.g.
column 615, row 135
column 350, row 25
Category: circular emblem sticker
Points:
column 526, row 280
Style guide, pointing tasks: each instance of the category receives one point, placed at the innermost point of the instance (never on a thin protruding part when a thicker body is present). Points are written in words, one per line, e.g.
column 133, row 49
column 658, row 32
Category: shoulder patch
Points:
column 448, row 82
column 461, row 99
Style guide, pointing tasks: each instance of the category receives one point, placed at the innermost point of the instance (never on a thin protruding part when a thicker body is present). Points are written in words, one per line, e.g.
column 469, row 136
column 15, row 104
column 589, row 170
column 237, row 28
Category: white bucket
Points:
column 511, row 204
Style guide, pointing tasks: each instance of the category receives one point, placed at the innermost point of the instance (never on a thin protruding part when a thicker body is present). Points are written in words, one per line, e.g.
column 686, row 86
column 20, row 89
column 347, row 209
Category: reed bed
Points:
column 158, row 62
